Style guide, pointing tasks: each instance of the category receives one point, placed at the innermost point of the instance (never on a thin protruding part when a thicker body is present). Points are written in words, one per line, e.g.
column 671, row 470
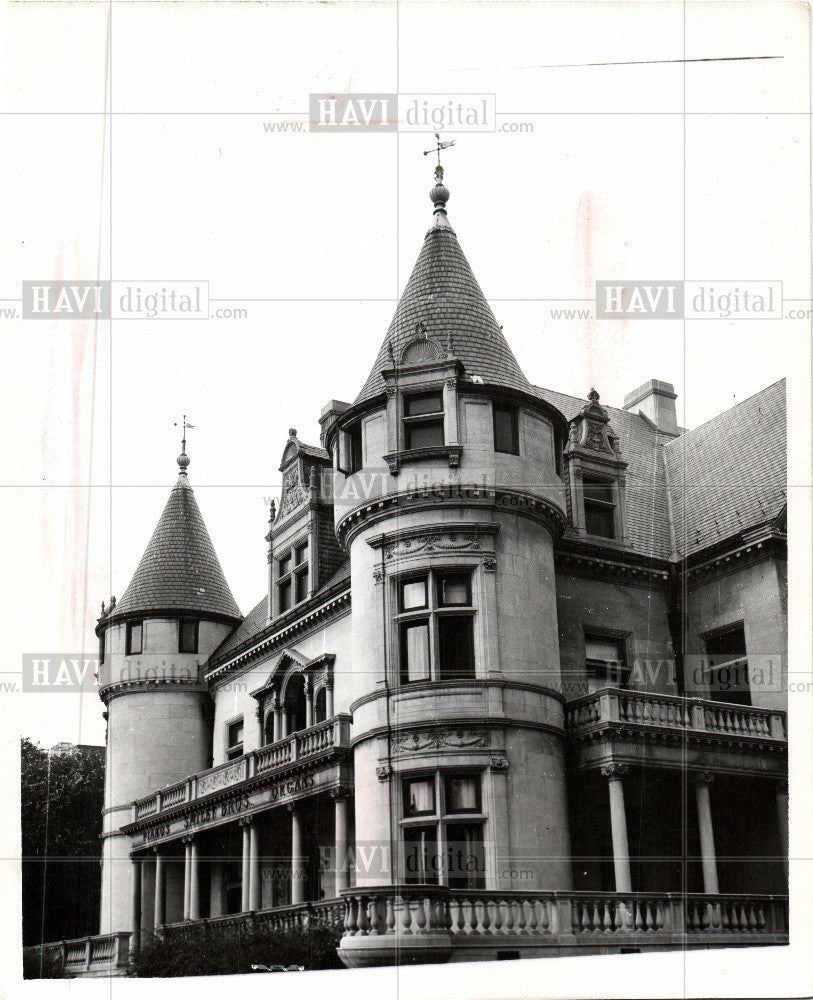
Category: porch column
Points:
column 194, row 881
column 782, row 810
column 260, row 724
column 341, row 839
column 297, row 858
column 707, row 852
column 253, row 867
column 618, row 823
column 158, row 909
column 308, row 703
column 135, row 908
column 277, row 709
column 329, row 698
column 187, row 875
column 245, row 899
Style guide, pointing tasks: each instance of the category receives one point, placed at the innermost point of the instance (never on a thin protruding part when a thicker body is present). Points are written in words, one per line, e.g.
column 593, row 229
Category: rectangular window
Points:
column 423, row 421
column 284, row 566
column 414, row 652
column 300, row 554
column 187, row 636
column 728, row 666
column 135, row 632
column 292, row 577
column 300, row 587
column 599, row 507
column 234, row 739
column 506, row 429
column 102, row 638
column 606, row 659
column 419, row 797
column 285, row 596
column 356, row 457
column 448, row 848
column 436, row 627
column 456, row 646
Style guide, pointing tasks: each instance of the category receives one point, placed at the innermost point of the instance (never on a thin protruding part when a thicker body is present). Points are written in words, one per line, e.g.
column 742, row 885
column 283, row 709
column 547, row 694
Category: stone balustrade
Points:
column 99, row 955
column 645, row 708
column 430, row 923
column 325, row 736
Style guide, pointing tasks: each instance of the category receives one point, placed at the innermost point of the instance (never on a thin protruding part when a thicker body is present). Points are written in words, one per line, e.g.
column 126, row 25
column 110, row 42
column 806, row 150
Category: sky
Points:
column 153, row 161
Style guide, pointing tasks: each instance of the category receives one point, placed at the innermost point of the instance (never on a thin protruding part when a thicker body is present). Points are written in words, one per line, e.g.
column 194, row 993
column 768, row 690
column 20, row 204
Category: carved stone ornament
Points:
column 614, row 771
column 432, row 543
column 441, row 739
column 293, row 493
column 378, row 574
column 220, row 779
column 383, row 771
column 499, row 763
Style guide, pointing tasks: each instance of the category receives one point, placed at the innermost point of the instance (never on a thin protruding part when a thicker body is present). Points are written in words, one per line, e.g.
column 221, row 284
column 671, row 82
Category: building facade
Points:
column 516, row 687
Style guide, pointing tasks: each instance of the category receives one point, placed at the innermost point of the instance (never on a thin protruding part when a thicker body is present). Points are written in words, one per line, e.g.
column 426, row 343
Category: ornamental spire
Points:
column 439, row 194
column 183, row 458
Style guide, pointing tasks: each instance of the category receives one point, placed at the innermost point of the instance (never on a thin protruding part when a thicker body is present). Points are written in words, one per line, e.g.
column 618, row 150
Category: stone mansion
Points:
column 516, row 688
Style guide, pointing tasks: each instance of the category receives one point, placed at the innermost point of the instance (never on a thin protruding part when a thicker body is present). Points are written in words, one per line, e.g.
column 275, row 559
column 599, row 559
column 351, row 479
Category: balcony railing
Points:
column 325, row 912
column 101, row 955
column 432, row 920
column 645, row 708
column 332, row 734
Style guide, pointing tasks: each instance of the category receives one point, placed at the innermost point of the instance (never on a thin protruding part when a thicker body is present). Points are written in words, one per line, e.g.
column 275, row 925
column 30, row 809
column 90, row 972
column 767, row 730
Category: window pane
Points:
column 284, row 566
column 728, row 645
column 599, row 520
column 235, row 733
column 431, row 402
column 465, row 856
column 428, row 435
column 456, row 646
column 421, row 859
column 454, row 590
column 300, row 554
column 599, row 490
column 356, row 458
column 134, row 637
column 414, row 652
column 301, row 588
column 188, row 638
column 506, row 437
column 600, row 648
column 463, row 794
column 284, row 596
column 413, row 594
column 419, row 796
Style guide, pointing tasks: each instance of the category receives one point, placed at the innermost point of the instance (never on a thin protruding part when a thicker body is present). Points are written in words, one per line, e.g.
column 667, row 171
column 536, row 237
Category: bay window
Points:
column 442, row 830
column 435, row 626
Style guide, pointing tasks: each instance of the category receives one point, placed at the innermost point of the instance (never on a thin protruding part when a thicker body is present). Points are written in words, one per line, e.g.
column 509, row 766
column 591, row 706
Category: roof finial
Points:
column 439, row 194
column 183, row 458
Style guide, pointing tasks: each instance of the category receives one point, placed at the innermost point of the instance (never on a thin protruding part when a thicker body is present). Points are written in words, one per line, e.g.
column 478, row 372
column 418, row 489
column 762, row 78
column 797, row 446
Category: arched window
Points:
column 320, row 709
column 295, row 710
column 268, row 730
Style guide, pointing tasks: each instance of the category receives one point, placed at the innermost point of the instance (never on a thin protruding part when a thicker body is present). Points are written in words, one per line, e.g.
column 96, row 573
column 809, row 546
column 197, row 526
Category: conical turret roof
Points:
column 179, row 571
column 443, row 303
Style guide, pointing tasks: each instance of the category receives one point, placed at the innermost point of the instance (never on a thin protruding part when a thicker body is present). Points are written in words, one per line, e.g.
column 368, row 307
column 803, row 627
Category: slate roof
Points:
column 729, row 474
column 443, row 294
column 179, row 571
column 647, row 506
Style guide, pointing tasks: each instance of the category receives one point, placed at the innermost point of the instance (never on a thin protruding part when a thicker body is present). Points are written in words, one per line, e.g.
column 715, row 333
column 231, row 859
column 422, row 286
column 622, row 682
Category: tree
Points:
column 62, row 800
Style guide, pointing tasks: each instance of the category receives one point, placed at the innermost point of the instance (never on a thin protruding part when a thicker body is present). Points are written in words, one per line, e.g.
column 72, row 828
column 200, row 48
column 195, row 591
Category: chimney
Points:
column 331, row 412
column 655, row 400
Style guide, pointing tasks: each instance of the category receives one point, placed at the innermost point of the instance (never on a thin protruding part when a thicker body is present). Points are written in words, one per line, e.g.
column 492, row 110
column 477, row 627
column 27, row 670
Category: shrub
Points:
column 209, row 950
column 39, row 964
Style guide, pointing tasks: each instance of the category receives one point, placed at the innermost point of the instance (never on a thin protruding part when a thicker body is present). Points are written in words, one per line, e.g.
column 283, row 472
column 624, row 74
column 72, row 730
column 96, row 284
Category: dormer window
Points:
column 135, row 635
column 506, row 429
column 292, row 577
column 599, row 507
column 423, row 420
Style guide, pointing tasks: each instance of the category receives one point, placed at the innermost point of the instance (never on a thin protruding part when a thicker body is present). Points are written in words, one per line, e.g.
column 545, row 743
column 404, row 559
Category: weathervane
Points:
column 440, row 145
column 183, row 458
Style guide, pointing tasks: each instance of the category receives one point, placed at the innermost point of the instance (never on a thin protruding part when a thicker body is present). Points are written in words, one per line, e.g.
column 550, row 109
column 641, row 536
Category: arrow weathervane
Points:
column 440, row 145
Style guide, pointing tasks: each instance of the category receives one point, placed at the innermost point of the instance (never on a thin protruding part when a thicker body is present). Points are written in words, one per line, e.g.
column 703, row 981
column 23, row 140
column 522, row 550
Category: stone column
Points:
column 260, row 724
column 253, row 867
column 158, row 908
column 277, row 708
column 707, row 852
column 341, row 838
column 782, row 810
column 308, row 703
column 187, row 875
column 245, row 900
column 194, row 881
column 298, row 859
column 329, row 698
column 135, row 911
column 618, row 822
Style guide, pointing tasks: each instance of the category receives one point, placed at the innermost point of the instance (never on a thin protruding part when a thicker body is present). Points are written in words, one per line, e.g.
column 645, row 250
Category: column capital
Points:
column 339, row 793
column 703, row 777
column 245, row 821
column 614, row 771
column 188, row 838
